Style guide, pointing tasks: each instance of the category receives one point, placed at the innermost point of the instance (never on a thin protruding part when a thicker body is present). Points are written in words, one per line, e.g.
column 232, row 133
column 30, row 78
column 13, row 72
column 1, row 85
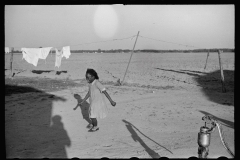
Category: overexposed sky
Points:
column 203, row 26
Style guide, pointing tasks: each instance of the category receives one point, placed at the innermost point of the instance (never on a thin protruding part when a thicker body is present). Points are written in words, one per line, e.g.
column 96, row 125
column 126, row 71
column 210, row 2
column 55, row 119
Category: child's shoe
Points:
column 94, row 129
column 89, row 126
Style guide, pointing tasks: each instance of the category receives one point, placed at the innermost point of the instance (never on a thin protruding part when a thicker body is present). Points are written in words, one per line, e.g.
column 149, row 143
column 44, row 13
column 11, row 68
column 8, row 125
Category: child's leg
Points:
column 94, row 121
column 95, row 127
column 90, row 125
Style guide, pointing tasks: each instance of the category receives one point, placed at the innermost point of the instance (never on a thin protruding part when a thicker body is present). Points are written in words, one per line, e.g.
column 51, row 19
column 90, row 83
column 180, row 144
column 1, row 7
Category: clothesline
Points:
column 131, row 37
column 186, row 45
column 104, row 41
column 170, row 42
column 31, row 55
column 119, row 39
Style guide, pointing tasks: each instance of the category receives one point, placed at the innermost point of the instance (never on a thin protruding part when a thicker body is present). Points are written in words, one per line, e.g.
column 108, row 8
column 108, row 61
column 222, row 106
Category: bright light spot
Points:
column 105, row 21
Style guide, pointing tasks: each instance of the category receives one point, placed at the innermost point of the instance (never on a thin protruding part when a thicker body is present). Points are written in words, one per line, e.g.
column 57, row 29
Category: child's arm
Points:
column 86, row 97
column 76, row 107
column 109, row 98
column 103, row 90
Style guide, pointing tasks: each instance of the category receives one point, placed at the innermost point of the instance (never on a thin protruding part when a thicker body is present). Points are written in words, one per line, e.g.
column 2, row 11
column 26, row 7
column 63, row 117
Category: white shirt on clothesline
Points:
column 66, row 51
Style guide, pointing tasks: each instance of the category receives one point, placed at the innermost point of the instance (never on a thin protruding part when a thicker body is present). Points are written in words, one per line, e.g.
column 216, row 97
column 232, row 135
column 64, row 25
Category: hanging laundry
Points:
column 66, row 52
column 7, row 50
column 44, row 52
column 31, row 55
column 58, row 58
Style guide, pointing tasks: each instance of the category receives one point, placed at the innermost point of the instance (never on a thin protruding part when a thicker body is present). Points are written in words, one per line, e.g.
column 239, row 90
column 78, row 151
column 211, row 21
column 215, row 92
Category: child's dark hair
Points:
column 92, row 72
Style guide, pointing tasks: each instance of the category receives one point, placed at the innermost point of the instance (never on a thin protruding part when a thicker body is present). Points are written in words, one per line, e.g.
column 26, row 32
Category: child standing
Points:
column 98, row 107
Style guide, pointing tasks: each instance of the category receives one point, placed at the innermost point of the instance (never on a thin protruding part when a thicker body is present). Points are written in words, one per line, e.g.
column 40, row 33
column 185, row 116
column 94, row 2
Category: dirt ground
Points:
column 158, row 113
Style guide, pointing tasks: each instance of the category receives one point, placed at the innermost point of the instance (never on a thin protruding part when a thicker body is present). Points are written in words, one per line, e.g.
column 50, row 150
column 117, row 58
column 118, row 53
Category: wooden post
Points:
column 130, row 57
column 221, row 70
column 206, row 61
column 11, row 62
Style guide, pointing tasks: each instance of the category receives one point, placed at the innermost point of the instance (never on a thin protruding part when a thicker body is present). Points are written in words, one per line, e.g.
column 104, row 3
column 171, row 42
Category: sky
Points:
column 201, row 26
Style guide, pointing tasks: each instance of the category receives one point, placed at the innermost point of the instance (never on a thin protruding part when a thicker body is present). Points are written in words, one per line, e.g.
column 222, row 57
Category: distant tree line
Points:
column 187, row 51
column 153, row 51
column 146, row 50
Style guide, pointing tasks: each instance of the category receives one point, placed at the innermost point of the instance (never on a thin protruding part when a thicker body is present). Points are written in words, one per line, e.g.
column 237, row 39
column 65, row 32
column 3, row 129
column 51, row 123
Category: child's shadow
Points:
column 84, row 108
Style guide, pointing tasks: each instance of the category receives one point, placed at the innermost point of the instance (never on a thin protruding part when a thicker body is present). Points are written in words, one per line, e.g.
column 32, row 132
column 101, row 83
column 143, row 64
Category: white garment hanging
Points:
column 58, row 58
column 31, row 55
column 44, row 52
column 7, row 50
column 66, row 51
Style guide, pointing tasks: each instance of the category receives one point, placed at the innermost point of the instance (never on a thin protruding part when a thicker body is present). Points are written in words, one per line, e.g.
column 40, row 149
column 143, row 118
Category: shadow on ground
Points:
column 84, row 108
column 42, row 71
column 59, row 72
column 136, row 138
column 220, row 120
column 30, row 129
column 48, row 71
column 44, row 84
column 211, row 84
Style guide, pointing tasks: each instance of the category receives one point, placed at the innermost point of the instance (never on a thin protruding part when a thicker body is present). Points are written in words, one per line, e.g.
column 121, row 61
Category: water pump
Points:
column 204, row 137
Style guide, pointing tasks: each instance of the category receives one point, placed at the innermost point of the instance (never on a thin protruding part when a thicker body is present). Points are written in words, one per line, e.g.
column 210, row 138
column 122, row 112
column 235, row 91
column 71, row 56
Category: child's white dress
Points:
column 98, row 107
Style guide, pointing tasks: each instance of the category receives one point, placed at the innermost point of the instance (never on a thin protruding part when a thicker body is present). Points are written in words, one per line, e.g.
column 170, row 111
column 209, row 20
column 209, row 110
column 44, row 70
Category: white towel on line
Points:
column 31, row 55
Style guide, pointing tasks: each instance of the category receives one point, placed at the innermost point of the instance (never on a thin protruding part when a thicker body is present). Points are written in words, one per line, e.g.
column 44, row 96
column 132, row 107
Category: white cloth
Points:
column 31, row 55
column 58, row 58
column 7, row 50
column 44, row 52
column 66, row 52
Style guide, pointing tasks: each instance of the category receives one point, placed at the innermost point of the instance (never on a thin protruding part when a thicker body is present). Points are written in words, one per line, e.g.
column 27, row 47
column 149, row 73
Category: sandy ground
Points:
column 158, row 113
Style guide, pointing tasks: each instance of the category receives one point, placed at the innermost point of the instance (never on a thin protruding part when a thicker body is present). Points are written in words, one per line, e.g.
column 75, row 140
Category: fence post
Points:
column 206, row 61
column 11, row 62
column 130, row 58
column 221, row 70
